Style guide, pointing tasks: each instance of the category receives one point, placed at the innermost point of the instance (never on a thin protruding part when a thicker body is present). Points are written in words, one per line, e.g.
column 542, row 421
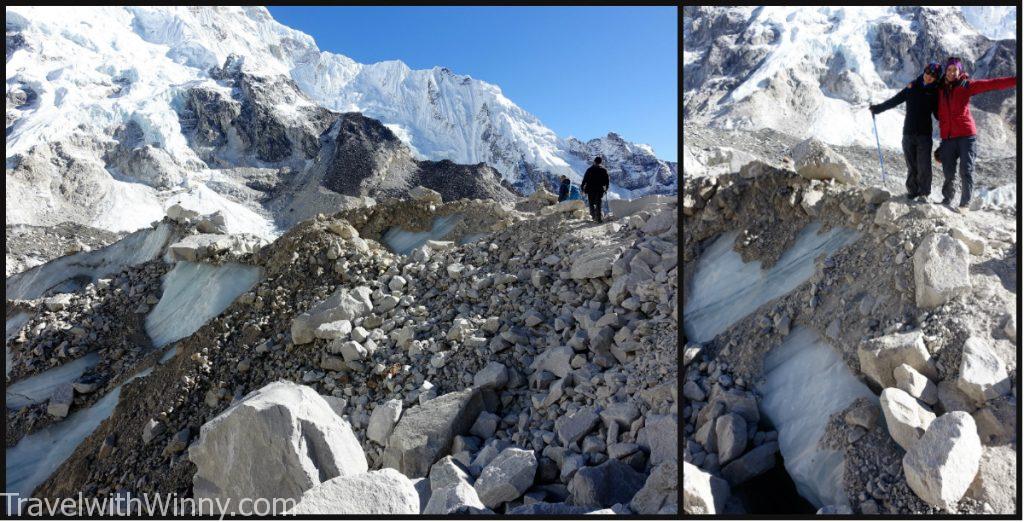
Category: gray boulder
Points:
column 660, row 493
column 879, row 357
column 941, row 273
column 815, row 160
column 906, row 418
column 752, row 464
column 982, row 372
column 381, row 492
column 943, row 464
column 343, row 304
column 383, row 420
column 282, row 427
column 424, row 433
column 456, row 498
column 602, row 486
column 506, row 477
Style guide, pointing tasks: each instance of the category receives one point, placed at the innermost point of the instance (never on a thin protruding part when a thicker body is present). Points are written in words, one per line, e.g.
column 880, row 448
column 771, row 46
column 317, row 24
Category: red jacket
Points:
column 955, row 120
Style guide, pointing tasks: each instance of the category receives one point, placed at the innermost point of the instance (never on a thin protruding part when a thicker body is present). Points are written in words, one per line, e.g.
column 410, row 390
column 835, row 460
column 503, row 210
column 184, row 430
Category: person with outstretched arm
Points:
column 594, row 185
column 957, row 130
column 921, row 97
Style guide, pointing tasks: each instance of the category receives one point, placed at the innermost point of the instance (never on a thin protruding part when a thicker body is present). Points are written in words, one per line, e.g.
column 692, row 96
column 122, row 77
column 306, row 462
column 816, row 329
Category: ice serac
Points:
column 194, row 293
column 38, row 454
column 805, row 382
column 725, row 289
column 39, row 387
column 70, row 272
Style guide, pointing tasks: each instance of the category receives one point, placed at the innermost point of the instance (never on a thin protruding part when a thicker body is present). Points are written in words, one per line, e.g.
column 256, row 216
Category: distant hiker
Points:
column 563, row 189
column 956, row 127
column 595, row 184
column 921, row 97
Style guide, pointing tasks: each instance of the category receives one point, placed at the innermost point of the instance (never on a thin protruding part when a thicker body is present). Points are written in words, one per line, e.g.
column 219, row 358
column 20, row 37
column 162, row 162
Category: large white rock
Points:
column 660, row 493
column 595, row 261
column 277, row 442
column 917, row 385
column 879, row 357
column 815, row 160
column 343, row 304
column 506, row 477
column 424, row 433
column 942, row 465
column 982, row 373
column 458, row 497
column 941, row 273
column 906, row 418
column 381, row 492
column 890, row 212
column 383, row 421
column 703, row 493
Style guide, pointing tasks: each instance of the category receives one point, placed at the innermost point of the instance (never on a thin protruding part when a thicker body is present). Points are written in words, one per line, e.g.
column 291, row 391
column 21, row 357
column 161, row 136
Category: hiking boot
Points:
column 946, row 201
column 963, row 210
column 921, row 199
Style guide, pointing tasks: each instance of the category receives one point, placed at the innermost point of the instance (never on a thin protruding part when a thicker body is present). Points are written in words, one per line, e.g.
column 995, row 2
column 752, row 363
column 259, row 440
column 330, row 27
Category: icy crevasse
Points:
column 402, row 241
column 804, row 383
column 194, row 293
column 725, row 289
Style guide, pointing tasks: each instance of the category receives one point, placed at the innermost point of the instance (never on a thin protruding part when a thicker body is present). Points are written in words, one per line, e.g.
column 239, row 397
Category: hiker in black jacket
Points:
column 563, row 189
column 921, row 97
column 595, row 184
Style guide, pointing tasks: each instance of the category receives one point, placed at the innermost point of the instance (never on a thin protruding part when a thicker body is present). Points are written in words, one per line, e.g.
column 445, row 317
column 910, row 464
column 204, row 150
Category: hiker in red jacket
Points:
column 956, row 127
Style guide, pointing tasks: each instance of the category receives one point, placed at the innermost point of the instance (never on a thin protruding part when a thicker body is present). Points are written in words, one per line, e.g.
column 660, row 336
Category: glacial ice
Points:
column 38, row 388
column 38, row 454
column 135, row 248
column 194, row 293
column 402, row 241
column 725, row 289
column 804, row 382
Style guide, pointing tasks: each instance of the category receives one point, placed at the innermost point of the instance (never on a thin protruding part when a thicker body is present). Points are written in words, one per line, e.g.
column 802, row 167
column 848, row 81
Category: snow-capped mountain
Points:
column 812, row 71
column 96, row 91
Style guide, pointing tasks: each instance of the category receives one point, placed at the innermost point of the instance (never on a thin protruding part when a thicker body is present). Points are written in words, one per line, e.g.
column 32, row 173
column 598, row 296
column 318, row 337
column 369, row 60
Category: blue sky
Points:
column 584, row 71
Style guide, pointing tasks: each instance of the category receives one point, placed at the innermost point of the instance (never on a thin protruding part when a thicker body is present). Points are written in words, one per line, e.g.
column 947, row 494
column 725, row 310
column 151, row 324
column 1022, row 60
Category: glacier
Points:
column 37, row 455
column 402, row 241
column 725, row 289
column 805, row 381
column 83, row 83
column 136, row 248
column 194, row 293
column 38, row 388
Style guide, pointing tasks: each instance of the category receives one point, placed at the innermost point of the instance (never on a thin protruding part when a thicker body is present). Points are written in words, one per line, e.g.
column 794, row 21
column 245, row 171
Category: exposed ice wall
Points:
column 38, row 454
column 194, row 293
column 136, row 248
column 402, row 241
column 804, row 382
column 38, row 388
column 725, row 289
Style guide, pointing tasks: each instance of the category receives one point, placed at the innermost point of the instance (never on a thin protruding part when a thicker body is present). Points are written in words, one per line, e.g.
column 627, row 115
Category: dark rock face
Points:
column 359, row 150
column 248, row 119
column 455, row 181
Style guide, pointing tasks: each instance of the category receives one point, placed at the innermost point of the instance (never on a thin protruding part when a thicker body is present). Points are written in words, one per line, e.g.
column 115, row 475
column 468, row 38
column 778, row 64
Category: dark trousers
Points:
column 917, row 150
column 594, row 200
column 950, row 151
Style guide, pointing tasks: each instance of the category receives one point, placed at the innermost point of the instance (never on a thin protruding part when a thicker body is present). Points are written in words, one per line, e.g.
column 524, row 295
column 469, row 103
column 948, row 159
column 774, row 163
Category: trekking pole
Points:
column 879, row 144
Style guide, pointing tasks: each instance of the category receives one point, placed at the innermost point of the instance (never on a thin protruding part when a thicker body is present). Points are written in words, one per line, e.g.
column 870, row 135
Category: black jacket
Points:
column 922, row 103
column 595, row 180
column 563, row 190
